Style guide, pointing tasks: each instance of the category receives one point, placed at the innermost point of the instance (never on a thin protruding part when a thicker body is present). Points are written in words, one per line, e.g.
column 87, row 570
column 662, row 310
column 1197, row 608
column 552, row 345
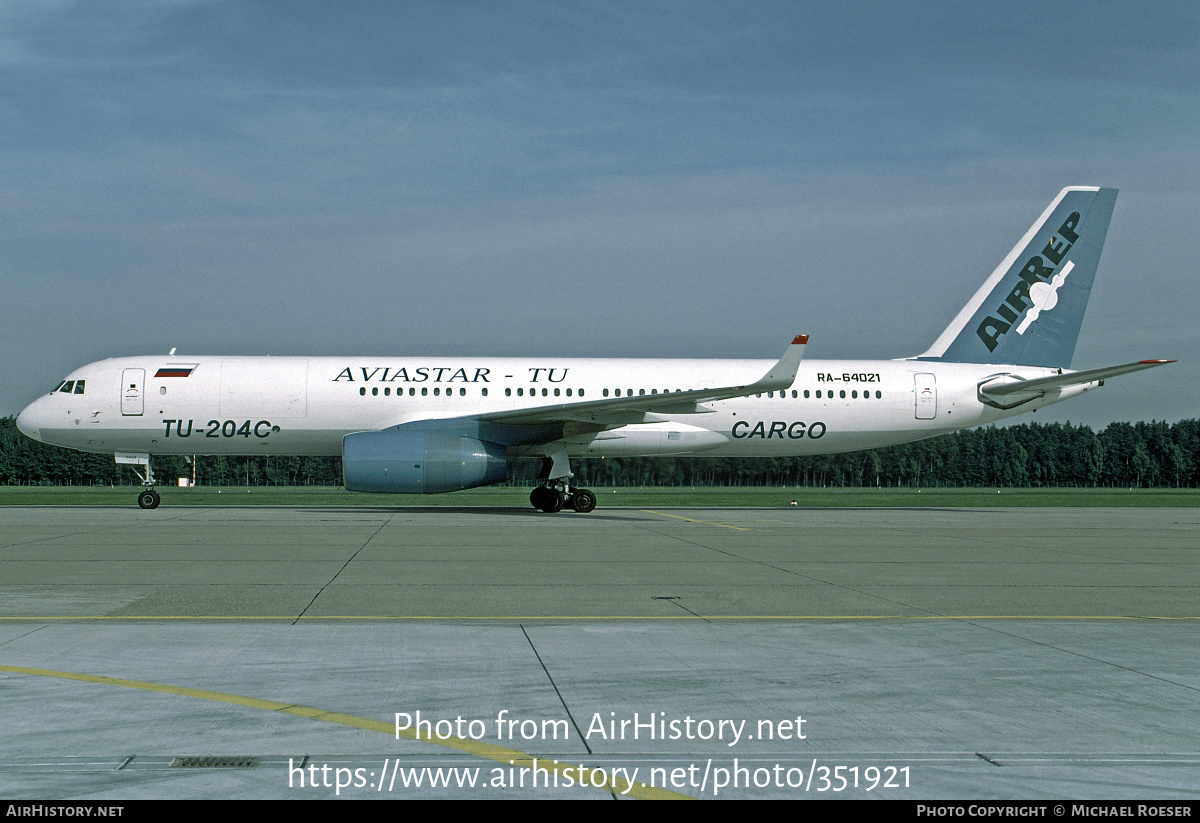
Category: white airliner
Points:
column 427, row 425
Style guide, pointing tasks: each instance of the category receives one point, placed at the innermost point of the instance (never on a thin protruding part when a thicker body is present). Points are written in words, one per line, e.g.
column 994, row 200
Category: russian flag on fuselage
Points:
column 176, row 370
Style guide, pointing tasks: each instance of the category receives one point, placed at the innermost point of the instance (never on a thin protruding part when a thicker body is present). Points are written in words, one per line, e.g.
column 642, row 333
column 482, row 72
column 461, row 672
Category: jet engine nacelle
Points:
column 415, row 462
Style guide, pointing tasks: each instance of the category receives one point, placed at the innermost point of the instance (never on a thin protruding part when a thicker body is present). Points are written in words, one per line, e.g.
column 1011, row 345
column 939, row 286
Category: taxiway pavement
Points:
column 998, row 653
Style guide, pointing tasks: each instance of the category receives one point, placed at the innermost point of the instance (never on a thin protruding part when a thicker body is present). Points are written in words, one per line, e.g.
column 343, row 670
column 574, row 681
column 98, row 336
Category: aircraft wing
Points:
column 649, row 408
column 1040, row 385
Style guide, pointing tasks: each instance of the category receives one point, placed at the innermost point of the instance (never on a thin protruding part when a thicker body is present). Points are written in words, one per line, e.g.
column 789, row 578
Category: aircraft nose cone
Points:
column 27, row 422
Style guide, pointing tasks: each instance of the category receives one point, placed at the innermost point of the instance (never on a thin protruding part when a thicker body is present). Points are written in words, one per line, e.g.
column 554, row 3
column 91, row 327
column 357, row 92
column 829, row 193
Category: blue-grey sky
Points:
column 585, row 178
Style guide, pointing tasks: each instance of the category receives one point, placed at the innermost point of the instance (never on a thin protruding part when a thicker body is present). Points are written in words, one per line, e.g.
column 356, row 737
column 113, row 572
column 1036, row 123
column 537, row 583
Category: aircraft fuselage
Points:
column 305, row 406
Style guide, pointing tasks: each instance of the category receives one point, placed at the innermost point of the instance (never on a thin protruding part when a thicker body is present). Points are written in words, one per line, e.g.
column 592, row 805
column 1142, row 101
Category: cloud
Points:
column 572, row 178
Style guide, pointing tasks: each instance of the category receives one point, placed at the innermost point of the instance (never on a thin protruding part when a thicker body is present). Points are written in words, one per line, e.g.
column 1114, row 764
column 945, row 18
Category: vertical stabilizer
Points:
column 1029, row 311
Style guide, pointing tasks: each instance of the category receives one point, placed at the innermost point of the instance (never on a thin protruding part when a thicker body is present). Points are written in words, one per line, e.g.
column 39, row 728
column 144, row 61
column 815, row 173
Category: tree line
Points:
column 1137, row 455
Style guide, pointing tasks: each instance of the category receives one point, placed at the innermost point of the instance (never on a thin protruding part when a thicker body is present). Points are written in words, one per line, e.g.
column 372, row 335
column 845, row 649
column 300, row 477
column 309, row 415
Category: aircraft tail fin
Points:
column 1029, row 310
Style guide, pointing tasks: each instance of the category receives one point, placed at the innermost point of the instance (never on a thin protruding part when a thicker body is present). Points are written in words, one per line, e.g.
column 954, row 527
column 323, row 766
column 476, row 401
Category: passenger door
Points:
column 133, row 382
column 926, row 393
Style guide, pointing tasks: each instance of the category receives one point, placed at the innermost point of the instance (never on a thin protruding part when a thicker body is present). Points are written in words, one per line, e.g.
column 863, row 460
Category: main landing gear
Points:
column 554, row 495
column 556, row 491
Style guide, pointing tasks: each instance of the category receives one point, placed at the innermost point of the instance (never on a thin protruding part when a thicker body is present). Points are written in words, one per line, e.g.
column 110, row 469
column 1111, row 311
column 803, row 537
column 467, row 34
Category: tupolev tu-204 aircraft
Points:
column 428, row 425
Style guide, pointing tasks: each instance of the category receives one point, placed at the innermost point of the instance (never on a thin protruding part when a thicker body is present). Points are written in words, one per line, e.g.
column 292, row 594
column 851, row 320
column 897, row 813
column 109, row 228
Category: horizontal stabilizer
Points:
column 1039, row 386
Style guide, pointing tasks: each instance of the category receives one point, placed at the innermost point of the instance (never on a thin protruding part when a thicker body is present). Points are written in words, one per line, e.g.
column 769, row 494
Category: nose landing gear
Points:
column 148, row 498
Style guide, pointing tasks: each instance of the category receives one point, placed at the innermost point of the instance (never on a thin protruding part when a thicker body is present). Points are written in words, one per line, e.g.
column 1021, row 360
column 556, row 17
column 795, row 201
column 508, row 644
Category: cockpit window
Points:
column 66, row 387
column 79, row 386
column 59, row 386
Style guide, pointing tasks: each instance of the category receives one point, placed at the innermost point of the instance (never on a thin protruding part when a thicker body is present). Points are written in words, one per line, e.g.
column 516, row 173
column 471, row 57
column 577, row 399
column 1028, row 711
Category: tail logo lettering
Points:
column 1037, row 289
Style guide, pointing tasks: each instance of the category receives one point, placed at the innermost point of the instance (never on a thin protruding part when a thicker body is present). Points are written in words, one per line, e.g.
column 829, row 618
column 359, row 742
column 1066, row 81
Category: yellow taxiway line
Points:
column 690, row 520
column 581, row 775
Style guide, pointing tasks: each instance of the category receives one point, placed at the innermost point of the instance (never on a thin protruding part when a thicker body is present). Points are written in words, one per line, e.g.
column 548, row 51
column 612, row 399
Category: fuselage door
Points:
column 926, row 392
column 133, row 382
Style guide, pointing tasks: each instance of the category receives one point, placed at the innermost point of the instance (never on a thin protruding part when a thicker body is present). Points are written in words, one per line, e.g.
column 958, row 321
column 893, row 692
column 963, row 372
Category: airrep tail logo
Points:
column 1037, row 289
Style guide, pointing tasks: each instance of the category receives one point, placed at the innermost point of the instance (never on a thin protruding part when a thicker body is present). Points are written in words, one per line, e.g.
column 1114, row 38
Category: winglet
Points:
column 783, row 374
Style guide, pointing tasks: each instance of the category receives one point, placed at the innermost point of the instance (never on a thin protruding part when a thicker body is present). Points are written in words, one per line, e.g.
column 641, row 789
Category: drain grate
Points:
column 214, row 762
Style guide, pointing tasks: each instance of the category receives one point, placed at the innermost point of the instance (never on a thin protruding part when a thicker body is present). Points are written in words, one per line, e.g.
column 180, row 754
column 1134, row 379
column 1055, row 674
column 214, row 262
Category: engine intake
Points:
column 414, row 462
